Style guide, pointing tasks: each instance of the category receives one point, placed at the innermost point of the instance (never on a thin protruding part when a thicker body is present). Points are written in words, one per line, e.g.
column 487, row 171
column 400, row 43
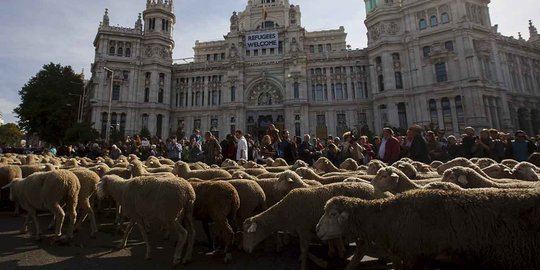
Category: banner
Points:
column 266, row 40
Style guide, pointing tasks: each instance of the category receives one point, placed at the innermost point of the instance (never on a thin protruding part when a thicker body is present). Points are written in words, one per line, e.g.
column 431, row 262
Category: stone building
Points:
column 438, row 63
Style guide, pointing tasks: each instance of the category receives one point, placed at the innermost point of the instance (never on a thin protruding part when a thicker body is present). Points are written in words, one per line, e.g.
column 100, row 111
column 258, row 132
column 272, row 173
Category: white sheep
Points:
column 47, row 191
column 526, row 171
column 88, row 181
column 170, row 201
column 182, row 169
column 469, row 178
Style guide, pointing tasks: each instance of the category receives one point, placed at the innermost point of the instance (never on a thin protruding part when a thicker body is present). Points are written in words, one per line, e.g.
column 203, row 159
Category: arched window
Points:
column 296, row 90
column 160, row 95
column 144, row 121
column 233, row 93
column 159, row 125
column 433, row 21
column 318, row 92
column 433, row 112
column 114, row 121
column 384, row 115
column 422, row 24
column 146, row 94
column 123, row 122
column 402, row 115
column 399, row 80
column 445, row 18
column 128, row 49
column 447, row 114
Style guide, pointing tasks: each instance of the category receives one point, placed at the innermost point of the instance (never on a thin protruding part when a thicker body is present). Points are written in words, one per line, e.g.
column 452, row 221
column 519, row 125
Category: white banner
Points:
column 265, row 40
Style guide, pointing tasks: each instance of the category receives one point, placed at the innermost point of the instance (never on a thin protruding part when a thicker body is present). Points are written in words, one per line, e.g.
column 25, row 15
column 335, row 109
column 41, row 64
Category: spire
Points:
column 106, row 17
column 532, row 29
column 138, row 23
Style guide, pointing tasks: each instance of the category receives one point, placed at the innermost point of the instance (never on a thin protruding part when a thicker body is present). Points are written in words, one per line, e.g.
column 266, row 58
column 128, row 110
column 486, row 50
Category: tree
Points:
column 80, row 133
column 50, row 103
column 10, row 135
column 145, row 133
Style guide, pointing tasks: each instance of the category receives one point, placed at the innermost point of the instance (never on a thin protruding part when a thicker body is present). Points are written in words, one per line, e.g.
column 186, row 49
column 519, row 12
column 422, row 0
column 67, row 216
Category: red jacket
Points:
column 392, row 150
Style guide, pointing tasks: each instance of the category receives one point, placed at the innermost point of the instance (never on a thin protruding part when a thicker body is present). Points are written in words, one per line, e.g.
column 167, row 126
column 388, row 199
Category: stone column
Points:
column 440, row 117
column 455, row 122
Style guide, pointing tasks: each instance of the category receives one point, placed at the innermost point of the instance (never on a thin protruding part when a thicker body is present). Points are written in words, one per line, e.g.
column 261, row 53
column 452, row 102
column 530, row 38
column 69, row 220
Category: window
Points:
column 233, row 93
column 328, row 47
column 321, row 121
column 116, row 92
column 248, row 52
column 147, row 95
column 161, row 79
column 145, row 121
column 383, row 110
column 320, row 48
column 114, row 120
column 399, row 80
column 255, row 52
column 460, row 112
column 449, row 46
column 296, row 90
column 197, row 124
column 445, row 18
column 422, row 24
column 318, row 92
column 181, row 100
column 426, row 51
column 147, row 77
column 125, row 74
column 128, row 49
column 120, row 50
column 433, row 21
column 122, row 122
column 447, row 114
column 297, row 131
column 159, row 125
column 440, row 71
column 339, row 92
column 402, row 115
column 214, row 97
column 434, row 116
column 163, row 24
column 112, row 48
column 103, row 124
column 197, row 98
column 160, row 95
column 381, row 82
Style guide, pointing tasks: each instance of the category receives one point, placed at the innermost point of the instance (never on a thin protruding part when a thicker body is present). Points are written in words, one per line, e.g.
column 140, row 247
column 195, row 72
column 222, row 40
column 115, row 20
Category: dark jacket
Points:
column 419, row 150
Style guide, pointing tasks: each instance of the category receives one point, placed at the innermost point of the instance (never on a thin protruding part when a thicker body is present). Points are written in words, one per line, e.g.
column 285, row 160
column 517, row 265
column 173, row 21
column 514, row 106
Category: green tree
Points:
column 80, row 133
column 145, row 133
column 10, row 135
column 50, row 102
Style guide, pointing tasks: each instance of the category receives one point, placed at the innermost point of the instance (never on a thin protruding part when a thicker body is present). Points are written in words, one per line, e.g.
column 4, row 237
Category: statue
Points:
column 234, row 22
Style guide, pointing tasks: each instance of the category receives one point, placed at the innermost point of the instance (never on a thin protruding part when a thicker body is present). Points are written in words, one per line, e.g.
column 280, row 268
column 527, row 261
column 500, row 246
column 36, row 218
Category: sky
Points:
column 36, row 32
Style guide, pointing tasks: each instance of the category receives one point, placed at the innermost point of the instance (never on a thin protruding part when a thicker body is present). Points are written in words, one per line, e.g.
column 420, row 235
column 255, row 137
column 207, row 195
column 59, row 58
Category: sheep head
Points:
column 386, row 179
column 181, row 169
column 305, row 172
column 526, row 171
column 335, row 220
column 485, row 162
column 408, row 169
column 254, row 232
column 299, row 164
column 499, row 171
column 349, row 164
column 288, row 181
column 458, row 176
column 463, row 162
column 269, row 162
column 374, row 166
column 229, row 163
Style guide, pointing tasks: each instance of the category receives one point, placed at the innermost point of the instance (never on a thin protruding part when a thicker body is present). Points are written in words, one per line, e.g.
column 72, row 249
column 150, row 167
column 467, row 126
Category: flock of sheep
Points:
column 476, row 213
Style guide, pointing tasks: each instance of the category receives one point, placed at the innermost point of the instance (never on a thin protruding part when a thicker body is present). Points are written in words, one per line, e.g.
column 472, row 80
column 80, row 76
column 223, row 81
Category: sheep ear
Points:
column 462, row 179
column 508, row 170
column 43, row 167
column 394, row 177
column 6, row 186
column 343, row 217
column 290, row 180
column 252, row 228
column 400, row 166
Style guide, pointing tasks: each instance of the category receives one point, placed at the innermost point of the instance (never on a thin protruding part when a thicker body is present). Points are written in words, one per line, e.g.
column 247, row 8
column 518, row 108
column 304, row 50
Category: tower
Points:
column 156, row 69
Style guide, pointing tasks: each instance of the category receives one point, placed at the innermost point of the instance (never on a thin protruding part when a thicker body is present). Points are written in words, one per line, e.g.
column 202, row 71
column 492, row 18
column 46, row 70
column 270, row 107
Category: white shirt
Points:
column 242, row 149
column 382, row 148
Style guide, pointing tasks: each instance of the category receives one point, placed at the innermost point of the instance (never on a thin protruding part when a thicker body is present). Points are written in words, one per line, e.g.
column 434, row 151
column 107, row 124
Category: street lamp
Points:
column 108, row 130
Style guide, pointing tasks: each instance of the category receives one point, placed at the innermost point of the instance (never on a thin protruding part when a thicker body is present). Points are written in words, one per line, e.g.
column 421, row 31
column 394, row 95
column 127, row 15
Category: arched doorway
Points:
column 264, row 102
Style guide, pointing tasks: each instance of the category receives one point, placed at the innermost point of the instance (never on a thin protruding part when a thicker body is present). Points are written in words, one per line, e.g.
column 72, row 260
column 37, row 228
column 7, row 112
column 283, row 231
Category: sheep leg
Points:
column 32, row 214
column 17, row 211
column 87, row 211
column 24, row 228
column 359, row 253
column 206, row 229
column 190, row 227
column 182, row 237
column 126, row 234
column 72, row 218
column 229, row 240
column 336, row 246
column 52, row 224
column 59, row 215
column 142, row 228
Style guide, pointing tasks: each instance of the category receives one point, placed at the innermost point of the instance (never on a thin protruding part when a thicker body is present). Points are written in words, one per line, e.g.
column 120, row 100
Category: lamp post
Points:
column 108, row 129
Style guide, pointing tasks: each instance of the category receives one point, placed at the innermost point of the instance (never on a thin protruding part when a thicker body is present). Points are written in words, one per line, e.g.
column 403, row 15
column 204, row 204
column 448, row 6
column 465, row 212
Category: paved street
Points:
column 18, row 251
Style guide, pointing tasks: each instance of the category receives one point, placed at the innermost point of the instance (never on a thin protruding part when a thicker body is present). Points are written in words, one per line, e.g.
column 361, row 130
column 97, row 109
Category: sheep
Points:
column 349, row 164
column 70, row 163
column 113, row 186
column 298, row 213
column 247, row 164
column 469, row 178
column 103, row 170
column 408, row 169
column 435, row 164
column 471, row 236
column 229, row 163
column 324, row 165
column 526, row 171
column 199, row 166
column 308, row 173
column 47, row 191
column 182, row 169
column 243, row 175
column 278, row 162
column 299, row 164
column 7, row 174
column 252, row 199
column 393, row 180
column 137, row 169
column 218, row 203
column 463, row 162
column 88, row 181
column 30, row 169
column 374, row 166
column 485, row 162
column 132, row 157
column 509, row 163
column 290, row 180
column 499, row 171
column 169, row 201
column 534, row 158
column 152, row 162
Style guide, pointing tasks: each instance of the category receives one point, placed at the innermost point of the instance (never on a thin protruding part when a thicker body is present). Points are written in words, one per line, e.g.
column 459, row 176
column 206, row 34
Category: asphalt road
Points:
column 22, row 252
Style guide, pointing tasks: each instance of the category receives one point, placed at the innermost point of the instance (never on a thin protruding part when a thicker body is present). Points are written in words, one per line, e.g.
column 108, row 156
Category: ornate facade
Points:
column 437, row 63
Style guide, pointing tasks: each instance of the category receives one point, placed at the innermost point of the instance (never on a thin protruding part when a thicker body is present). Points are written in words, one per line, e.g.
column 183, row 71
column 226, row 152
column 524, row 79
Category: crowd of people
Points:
column 417, row 144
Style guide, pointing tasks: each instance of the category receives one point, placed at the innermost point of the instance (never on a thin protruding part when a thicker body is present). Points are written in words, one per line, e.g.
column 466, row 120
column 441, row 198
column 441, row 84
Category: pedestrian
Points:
column 306, row 150
column 211, row 149
column 115, row 152
column 468, row 141
column 241, row 147
column 389, row 150
column 419, row 150
column 520, row 148
column 195, row 150
column 285, row 150
column 174, row 150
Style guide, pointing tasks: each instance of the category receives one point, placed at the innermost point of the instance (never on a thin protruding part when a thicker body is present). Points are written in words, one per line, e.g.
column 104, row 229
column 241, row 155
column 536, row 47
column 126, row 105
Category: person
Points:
column 211, row 149
column 306, row 150
column 333, row 153
column 242, row 146
column 520, row 148
column 351, row 148
column 267, row 150
column 468, row 141
column 454, row 148
column 376, row 144
column 115, row 152
column 498, row 149
column 153, row 151
column 195, row 150
column 174, row 150
column 483, row 145
column 389, row 150
column 368, row 149
column 229, row 147
column 434, row 147
column 418, row 150
column 284, row 149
